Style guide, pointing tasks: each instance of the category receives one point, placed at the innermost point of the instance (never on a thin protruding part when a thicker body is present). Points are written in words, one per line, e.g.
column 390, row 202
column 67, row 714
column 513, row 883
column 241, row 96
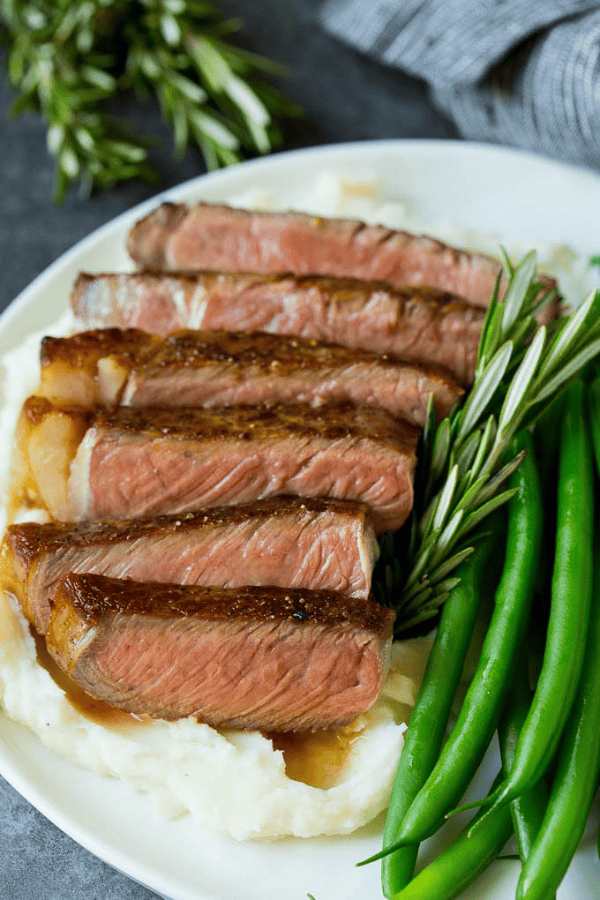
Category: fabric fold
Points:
column 521, row 73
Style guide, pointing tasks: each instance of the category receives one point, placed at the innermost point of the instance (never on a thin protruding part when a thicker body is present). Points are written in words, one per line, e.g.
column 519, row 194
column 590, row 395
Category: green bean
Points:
column 569, row 607
column 460, row 864
column 527, row 811
column 481, row 708
column 594, row 418
column 479, row 844
column 546, row 437
column 430, row 715
column 577, row 772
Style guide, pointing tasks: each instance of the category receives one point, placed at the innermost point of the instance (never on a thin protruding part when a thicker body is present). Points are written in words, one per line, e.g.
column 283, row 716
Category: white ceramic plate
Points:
column 517, row 195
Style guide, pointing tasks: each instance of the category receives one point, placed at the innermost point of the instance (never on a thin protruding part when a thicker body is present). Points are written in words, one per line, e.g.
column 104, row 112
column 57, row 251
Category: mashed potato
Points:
column 237, row 782
column 234, row 782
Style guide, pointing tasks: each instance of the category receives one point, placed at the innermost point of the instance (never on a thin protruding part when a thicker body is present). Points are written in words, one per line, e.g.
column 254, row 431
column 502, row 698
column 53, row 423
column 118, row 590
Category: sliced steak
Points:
column 221, row 368
column 157, row 460
column 262, row 658
column 416, row 323
column 177, row 237
column 320, row 544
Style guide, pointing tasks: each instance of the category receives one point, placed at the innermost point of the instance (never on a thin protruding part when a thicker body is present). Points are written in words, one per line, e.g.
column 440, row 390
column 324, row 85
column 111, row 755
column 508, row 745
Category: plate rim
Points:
column 9, row 766
column 430, row 145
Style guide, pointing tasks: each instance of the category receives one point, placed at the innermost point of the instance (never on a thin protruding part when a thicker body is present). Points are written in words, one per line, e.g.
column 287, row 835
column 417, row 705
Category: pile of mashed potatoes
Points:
column 230, row 781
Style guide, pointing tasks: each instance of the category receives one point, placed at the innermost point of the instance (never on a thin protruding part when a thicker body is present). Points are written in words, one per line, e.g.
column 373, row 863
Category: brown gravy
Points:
column 315, row 758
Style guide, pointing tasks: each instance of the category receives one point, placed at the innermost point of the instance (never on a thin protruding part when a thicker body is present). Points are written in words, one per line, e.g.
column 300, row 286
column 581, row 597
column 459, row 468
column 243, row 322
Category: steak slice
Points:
column 263, row 658
column 221, row 368
column 415, row 323
column 155, row 460
column 319, row 544
column 177, row 237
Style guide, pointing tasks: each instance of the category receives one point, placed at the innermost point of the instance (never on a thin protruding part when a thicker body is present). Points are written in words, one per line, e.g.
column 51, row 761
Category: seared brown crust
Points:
column 416, row 323
column 108, row 367
column 331, row 422
column 95, row 596
column 28, row 540
column 193, row 349
column 78, row 348
column 313, row 543
column 267, row 352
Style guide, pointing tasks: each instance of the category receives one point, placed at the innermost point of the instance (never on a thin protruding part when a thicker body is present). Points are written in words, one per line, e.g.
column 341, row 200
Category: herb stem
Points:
column 521, row 368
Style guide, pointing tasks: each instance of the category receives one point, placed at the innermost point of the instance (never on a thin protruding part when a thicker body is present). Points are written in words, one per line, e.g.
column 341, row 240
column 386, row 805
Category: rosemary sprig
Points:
column 67, row 59
column 521, row 367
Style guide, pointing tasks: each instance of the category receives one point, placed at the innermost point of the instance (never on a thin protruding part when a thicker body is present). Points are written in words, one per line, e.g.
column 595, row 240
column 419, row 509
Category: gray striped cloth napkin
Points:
column 520, row 72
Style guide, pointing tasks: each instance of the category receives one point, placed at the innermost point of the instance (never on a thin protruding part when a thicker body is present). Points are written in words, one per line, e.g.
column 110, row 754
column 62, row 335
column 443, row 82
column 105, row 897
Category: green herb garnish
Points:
column 67, row 59
column 521, row 368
